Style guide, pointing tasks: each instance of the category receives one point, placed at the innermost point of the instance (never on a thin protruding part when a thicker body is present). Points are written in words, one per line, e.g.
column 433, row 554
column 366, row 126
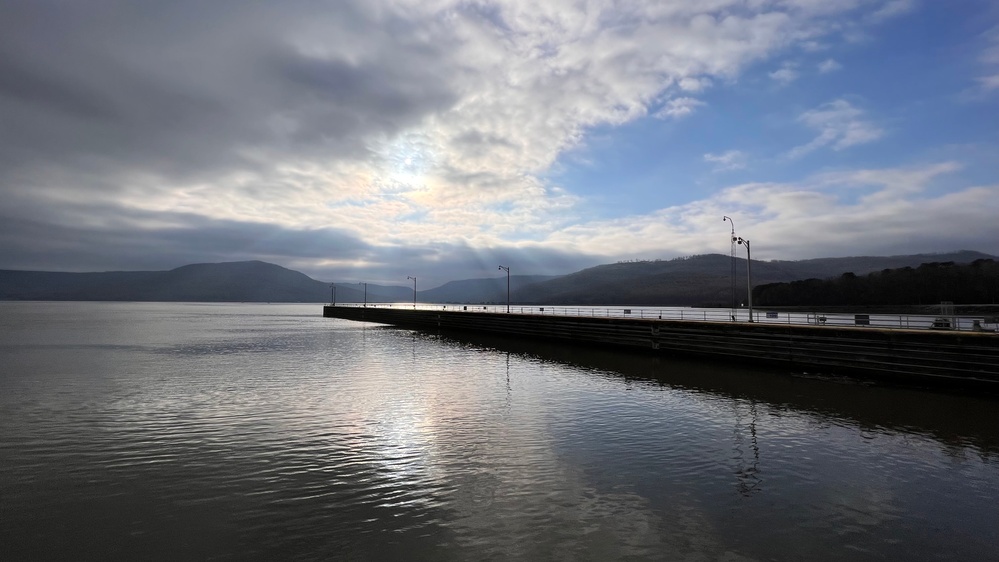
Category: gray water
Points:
column 145, row 431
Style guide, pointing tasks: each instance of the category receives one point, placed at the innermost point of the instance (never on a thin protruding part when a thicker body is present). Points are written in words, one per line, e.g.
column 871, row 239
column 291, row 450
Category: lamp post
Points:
column 413, row 277
column 749, row 274
column 507, row 270
column 334, row 293
column 735, row 299
column 365, row 293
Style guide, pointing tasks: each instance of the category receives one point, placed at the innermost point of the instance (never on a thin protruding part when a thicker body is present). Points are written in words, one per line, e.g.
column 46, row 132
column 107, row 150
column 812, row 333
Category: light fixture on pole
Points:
column 507, row 270
column 749, row 274
column 413, row 277
column 365, row 293
column 735, row 298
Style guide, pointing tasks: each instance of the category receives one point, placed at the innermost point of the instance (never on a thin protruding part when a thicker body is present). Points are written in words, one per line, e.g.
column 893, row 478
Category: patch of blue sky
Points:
column 655, row 163
column 905, row 84
column 628, row 169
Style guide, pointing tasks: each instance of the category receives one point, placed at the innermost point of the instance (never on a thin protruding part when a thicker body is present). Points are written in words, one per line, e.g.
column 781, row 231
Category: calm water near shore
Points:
column 149, row 431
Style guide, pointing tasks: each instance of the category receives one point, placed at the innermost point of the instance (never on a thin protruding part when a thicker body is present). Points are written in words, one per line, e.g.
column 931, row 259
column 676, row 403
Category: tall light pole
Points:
column 749, row 274
column 507, row 270
column 735, row 299
column 334, row 293
column 365, row 293
column 413, row 277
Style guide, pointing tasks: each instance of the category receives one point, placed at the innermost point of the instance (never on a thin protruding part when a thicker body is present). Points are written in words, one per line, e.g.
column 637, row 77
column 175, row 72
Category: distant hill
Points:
column 704, row 280
column 248, row 281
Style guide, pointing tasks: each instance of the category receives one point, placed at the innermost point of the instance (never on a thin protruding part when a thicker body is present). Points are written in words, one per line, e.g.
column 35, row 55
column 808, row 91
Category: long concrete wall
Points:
column 966, row 358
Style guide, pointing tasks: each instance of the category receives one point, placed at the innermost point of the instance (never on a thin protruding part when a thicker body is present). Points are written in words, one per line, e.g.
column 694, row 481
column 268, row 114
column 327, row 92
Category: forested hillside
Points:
column 930, row 283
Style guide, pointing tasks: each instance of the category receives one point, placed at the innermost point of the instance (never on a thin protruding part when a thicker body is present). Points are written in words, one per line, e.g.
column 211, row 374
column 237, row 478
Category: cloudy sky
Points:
column 368, row 140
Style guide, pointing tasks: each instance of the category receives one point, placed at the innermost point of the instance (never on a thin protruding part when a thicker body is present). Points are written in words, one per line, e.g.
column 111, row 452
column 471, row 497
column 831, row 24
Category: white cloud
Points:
column 990, row 55
column 990, row 59
column 787, row 73
column 728, row 160
column 990, row 82
column 893, row 184
column 823, row 215
column 829, row 65
column 840, row 125
column 679, row 107
column 694, row 84
column 892, row 9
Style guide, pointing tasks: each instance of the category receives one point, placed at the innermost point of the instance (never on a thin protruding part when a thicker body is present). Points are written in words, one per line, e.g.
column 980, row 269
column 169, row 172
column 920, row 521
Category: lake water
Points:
column 147, row 431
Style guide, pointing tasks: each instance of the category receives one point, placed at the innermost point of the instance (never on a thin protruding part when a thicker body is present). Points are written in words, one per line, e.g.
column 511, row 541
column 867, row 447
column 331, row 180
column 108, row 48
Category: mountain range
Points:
column 707, row 280
column 703, row 280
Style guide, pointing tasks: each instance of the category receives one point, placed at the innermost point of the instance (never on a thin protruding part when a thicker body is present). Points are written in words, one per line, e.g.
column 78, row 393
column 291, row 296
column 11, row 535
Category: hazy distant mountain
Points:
column 44, row 285
column 480, row 290
column 249, row 281
column 697, row 280
column 704, row 279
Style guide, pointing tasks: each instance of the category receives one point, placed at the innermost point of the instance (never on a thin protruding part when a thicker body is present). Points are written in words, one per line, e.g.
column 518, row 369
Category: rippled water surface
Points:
column 265, row 432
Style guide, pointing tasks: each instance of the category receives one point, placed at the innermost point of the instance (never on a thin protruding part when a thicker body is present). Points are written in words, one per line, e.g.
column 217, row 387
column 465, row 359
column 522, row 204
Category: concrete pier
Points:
column 913, row 356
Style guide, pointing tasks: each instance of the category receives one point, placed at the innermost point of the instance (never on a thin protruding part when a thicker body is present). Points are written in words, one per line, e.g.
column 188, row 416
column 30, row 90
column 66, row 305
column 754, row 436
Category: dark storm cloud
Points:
column 334, row 97
column 170, row 240
column 182, row 88
column 80, row 90
column 96, row 94
column 29, row 86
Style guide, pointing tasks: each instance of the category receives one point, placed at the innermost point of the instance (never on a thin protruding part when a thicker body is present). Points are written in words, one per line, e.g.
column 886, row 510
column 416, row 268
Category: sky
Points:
column 373, row 140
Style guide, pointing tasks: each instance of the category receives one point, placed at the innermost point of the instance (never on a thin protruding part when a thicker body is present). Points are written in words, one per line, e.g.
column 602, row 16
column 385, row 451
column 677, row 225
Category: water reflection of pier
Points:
column 947, row 418
column 747, row 462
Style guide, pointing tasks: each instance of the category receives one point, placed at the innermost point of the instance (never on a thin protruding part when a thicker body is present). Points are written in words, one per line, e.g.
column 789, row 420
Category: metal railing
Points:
column 883, row 321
